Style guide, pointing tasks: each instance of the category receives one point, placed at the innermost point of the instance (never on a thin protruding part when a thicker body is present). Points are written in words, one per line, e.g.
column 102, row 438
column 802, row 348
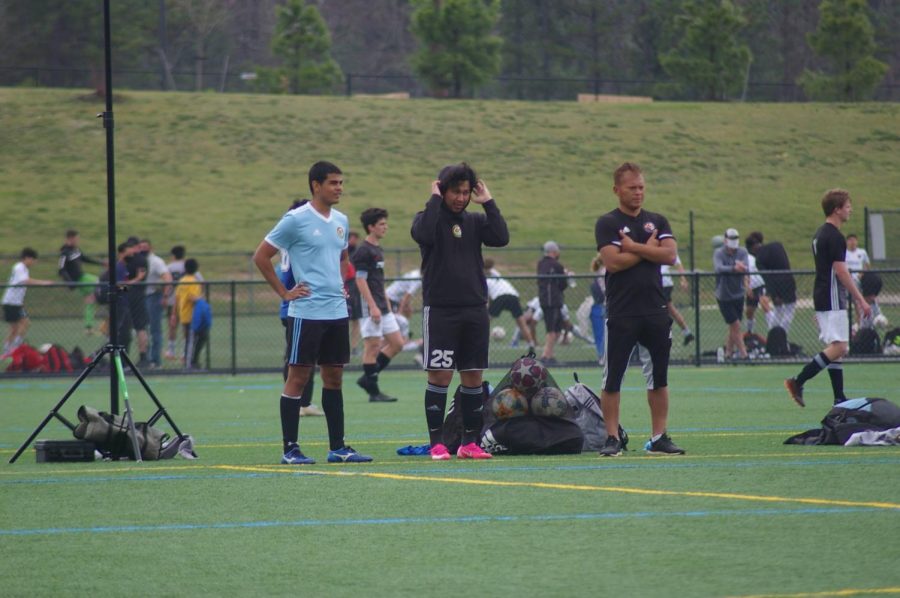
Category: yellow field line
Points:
column 581, row 487
column 844, row 592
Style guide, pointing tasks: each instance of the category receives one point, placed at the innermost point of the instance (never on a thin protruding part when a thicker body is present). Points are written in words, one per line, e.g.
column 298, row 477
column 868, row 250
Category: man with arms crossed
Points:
column 315, row 237
column 633, row 243
column 455, row 321
column 829, row 300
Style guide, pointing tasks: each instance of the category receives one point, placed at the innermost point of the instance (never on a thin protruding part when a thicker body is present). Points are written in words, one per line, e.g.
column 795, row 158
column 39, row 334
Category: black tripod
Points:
column 116, row 351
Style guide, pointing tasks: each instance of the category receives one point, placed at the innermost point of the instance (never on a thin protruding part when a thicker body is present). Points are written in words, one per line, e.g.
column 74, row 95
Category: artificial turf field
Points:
column 740, row 515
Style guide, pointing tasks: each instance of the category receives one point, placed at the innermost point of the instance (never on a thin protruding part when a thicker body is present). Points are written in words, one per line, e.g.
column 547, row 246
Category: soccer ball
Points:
column 498, row 333
column 509, row 403
column 549, row 402
column 527, row 375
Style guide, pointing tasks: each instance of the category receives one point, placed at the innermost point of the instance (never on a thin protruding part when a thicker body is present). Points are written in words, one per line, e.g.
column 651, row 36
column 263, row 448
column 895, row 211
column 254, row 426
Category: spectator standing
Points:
column 552, row 283
column 176, row 271
column 70, row 270
column 14, row 298
column 598, row 308
column 188, row 291
column 829, row 300
column 857, row 258
column 780, row 286
column 730, row 264
column 136, row 262
column 158, row 287
column 401, row 291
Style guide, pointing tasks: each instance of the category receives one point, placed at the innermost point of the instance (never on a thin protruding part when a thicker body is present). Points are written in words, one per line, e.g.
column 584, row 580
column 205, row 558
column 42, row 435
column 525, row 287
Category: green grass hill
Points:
column 215, row 171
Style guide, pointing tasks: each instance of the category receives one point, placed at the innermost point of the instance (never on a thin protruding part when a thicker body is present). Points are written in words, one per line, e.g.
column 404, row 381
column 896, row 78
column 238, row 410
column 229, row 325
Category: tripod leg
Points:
column 161, row 411
column 129, row 416
column 62, row 401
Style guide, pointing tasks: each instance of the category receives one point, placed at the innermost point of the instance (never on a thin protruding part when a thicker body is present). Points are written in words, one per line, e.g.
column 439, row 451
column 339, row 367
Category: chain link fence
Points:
column 247, row 335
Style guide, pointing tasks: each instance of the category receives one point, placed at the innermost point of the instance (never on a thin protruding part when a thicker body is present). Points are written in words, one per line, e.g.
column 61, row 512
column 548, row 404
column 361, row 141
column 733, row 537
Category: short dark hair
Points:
column 853, row 236
column 191, row 266
column 488, row 263
column 452, row 175
column 371, row 216
column 320, row 171
column 753, row 240
column 297, row 203
column 122, row 247
column 29, row 252
column 352, row 234
column 625, row 167
column 71, row 233
column 131, row 241
column 178, row 252
column 834, row 199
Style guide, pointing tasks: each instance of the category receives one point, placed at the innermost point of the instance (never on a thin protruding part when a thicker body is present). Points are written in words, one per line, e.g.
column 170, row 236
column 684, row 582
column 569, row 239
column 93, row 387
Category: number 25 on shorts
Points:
column 441, row 359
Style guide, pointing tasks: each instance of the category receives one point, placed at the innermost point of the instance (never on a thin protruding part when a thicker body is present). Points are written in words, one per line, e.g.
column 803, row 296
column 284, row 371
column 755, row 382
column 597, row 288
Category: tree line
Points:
column 539, row 49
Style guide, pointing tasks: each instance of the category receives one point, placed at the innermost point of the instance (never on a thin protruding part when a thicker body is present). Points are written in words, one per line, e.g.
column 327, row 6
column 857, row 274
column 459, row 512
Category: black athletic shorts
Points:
column 732, row 310
column 354, row 300
column 755, row 294
column 509, row 303
column 553, row 318
column 622, row 333
column 14, row 313
column 137, row 305
column 667, row 293
column 456, row 338
column 322, row 342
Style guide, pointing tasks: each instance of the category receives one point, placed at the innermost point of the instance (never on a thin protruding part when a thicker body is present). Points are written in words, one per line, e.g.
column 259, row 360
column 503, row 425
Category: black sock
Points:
column 370, row 371
column 382, row 361
column 306, row 397
column 435, row 404
column 290, row 421
column 472, row 408
column 816, row 365
column 836, row 373
column 333, row 406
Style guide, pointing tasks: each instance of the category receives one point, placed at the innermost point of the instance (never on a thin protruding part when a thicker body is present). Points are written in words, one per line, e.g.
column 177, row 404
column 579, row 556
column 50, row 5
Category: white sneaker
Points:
column 720, row 355
column 311, row 411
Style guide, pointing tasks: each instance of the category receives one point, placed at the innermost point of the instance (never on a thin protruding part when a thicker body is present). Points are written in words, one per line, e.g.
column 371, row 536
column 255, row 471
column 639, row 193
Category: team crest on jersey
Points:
column 457, row 231
column 340, row 232
column 649, row 227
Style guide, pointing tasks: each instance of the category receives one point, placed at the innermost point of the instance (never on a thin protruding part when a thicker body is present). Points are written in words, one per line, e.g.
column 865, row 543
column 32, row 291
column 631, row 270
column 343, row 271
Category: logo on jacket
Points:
column 649, row 227
column 457, row 231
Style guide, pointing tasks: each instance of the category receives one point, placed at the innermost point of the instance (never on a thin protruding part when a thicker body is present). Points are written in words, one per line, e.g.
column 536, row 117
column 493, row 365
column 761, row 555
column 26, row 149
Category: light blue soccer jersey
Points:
column 314, row 245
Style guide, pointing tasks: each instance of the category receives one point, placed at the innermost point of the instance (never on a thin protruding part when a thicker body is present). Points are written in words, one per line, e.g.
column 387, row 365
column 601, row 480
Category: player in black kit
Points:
column 830, row 299
column 455, row 320
column 633, row 243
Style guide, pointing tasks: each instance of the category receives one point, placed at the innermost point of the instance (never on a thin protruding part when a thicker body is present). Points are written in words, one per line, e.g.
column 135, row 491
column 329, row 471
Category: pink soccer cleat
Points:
column 439, row 452
column 472, row 451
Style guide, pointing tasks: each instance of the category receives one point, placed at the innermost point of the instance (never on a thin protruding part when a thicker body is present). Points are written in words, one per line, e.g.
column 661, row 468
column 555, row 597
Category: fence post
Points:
column 208, row 343
column 233, row 331
column 691, row 238
column 696, row 301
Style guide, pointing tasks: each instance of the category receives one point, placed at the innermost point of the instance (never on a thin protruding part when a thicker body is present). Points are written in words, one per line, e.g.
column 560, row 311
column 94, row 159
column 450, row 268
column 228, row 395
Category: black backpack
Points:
column 865, row 342
column 777, row 342
column 848, row 418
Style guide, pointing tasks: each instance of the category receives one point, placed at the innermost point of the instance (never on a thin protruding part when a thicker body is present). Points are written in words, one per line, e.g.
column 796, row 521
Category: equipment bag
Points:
column 865, row 342
column 850, row 417
column 589, row 417
column 110, row 434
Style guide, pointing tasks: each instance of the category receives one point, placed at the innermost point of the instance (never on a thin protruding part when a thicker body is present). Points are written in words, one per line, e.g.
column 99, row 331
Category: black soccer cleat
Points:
column 382, row 398
column 612, row 448
column 663, row 446
column 795, row 389
column 688, row 338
